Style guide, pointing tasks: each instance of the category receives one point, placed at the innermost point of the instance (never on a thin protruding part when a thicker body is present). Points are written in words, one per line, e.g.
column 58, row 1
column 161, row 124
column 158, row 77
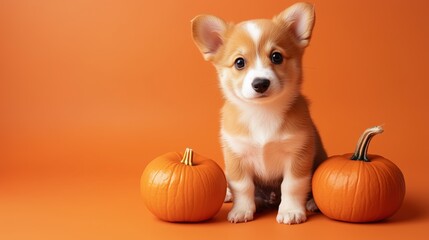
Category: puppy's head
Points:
column 258, row 61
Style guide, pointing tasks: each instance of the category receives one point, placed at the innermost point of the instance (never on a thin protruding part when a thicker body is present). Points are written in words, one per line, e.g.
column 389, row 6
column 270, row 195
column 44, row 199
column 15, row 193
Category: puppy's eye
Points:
column 276, row 58
column 239, row 63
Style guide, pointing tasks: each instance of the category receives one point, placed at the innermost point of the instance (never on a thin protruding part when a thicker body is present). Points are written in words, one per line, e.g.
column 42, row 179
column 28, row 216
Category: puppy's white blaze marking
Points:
column 254, row 32
column 258, row 64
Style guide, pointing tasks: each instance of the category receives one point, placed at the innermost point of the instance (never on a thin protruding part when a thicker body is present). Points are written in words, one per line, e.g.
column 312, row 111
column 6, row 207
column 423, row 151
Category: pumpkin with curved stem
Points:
column 183, row 187
column 359, row 187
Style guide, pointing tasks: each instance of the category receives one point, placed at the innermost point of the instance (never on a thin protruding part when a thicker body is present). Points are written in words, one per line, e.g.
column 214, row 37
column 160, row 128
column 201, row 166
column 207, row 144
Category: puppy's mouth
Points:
column 259, row 97
column 270, row 95
column 262, row 95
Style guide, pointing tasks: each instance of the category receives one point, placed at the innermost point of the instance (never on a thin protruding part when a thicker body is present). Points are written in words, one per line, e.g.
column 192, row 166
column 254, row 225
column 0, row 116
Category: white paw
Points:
column 311, row 205
column 291, row 217
column 237, row 215
column 228, row 196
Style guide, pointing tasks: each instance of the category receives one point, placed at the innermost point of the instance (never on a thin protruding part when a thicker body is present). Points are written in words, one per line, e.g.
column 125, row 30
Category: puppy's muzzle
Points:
column 260, row 85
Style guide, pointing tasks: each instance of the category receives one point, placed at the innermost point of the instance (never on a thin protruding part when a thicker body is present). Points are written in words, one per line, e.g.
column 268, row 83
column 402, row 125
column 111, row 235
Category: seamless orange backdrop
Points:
column 91, row 91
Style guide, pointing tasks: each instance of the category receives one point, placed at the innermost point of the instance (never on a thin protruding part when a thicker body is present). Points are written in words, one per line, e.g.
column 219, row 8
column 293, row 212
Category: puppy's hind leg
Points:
column 228, row 196
column 311, row 205
column 266, row 198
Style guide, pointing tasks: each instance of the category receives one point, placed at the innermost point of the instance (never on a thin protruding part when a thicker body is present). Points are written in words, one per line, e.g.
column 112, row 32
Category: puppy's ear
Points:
column 300, row 18
column 208, row 32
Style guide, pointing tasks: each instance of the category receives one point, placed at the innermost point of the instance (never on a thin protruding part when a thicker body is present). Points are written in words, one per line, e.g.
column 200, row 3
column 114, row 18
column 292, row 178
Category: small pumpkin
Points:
column 359, row 187
column 184, row 187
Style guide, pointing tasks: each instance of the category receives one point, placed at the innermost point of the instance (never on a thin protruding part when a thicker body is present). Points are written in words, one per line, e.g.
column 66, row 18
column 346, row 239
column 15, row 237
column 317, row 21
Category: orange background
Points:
column 91, row 91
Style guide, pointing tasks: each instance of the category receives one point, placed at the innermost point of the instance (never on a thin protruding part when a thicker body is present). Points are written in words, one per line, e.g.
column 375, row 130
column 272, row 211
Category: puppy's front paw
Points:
column 237, row 215
column 291, row 217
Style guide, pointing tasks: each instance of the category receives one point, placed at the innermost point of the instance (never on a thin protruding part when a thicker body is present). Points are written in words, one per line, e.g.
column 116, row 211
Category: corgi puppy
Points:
column 270, row 142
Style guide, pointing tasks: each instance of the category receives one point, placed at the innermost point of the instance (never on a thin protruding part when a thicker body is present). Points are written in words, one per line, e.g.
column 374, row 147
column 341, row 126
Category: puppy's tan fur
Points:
column 268, row 137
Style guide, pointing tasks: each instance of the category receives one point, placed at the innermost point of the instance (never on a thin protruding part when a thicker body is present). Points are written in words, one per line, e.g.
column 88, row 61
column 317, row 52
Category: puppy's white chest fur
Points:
column 263, row 126
column 266, row 149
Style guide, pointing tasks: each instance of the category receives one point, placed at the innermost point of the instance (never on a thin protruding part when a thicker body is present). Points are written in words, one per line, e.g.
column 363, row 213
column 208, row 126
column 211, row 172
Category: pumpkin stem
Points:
column 361, row 151
column 187, row 157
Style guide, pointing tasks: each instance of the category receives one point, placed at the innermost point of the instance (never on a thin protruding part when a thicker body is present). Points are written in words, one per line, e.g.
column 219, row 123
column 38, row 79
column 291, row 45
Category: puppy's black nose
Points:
column 260, row 85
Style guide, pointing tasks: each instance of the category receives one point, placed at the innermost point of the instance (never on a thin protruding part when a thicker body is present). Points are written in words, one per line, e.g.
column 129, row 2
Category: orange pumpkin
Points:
column 359, row 187
column 185, row 187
